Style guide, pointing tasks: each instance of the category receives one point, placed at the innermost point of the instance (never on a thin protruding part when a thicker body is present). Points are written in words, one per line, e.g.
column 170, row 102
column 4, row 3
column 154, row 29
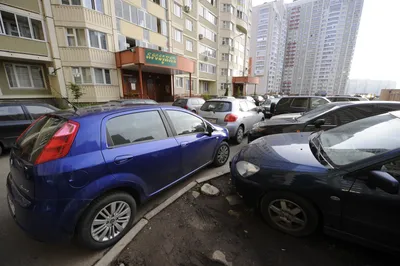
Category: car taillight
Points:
column 60, row 144
column 29, row 127
column 186, row 107
column 230, row 118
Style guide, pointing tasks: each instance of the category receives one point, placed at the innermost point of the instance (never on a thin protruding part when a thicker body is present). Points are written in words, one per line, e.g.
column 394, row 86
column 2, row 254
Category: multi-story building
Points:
column 368, row 86
column 268, row 46
column 121, row 48
column 321, row 38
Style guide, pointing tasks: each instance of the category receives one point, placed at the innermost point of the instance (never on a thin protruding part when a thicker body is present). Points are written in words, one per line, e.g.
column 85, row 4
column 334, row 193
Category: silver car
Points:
column 237, row 115
column 191, row 104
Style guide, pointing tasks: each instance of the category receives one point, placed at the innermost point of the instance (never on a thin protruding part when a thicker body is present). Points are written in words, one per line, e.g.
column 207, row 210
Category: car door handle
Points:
column 184, row 144
column 123, row 159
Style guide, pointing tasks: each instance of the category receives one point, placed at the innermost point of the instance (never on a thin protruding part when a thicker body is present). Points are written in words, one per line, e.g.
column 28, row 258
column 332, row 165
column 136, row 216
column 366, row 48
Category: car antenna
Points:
column 59, row 94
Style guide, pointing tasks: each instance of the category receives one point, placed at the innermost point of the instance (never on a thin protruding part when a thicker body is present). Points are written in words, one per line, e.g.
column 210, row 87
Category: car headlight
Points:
column 246, row 169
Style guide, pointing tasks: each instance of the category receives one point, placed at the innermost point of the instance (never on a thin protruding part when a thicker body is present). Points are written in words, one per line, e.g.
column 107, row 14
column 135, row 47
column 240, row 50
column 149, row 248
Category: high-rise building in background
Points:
column 121, row 48
column 321, row 38
column 368, row 86
column 268, row 45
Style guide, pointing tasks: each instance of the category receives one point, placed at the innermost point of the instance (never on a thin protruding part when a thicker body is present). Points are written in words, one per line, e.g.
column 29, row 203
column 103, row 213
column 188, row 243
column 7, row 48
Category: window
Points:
column 21, row 26
column 392, row 168
column 8, row 113
column 205, row 13
column 189, row 45
column 132, row 128
column 207, row 51
column 207, row 68
column 189, row 24
column 227, row 8
column 187, row 85
column 82, row 75
column 185, row 124
column 179, row 82
column 75, row 37
column 212, row 2
column 189, row 3
column 227, row 41
column 204, row 86
column 177, row 35
column 207, row 33
column 144, row 4
column 227, row 25
column 177, row 10
column 97, row 39
column 226, row 57
column 94, row 4
column 243, row 107
column 300, row 102
column 315, row 102
column 71, row 2
column 24, row 76
column 37, row 111
column 102, row 76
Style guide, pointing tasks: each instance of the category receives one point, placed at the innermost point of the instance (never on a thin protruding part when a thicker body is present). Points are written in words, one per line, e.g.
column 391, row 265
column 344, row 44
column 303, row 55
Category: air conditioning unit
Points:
column 186, row 9
column 206, row 58
column 201, row 36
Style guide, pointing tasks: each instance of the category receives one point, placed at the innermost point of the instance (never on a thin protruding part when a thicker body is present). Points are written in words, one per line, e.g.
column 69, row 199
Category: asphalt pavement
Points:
column 17, row 249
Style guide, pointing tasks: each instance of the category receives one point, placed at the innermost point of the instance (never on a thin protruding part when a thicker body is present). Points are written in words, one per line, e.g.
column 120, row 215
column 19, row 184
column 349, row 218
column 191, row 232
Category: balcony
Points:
column 85, row 56
column 99, row 93
column 78, row 16
column 23, row 45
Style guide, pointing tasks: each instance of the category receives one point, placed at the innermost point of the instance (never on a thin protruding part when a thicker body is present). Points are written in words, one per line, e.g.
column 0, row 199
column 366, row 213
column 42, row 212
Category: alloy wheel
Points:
column 110, row 221
column 240, row 134
column 222, row 155
column 287, row 215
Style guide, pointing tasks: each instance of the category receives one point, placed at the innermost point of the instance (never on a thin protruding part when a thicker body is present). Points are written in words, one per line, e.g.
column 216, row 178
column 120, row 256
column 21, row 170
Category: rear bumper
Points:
column 40, row 219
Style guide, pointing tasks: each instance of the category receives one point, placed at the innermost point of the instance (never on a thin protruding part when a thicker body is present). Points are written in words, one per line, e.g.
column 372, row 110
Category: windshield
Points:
column 315, row 112
column 217, row 106
column 358, row 140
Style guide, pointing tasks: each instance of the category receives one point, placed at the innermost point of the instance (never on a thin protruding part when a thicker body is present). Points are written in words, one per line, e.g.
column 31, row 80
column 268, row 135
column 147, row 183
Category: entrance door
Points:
column 151, row 90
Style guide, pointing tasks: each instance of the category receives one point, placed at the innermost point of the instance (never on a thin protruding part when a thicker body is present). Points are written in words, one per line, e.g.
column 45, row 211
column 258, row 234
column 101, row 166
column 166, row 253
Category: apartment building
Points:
column 121, row 48
column 321, row 38
column 268, row 47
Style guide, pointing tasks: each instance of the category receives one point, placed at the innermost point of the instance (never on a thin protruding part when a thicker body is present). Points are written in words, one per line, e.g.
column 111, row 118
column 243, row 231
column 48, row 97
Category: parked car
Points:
column 192, row 104
column 131, row 102
column 298, row 104
column 15, row 117
column 345, row 98
column 258, row 99
column 249, row 98
column 324, row 117
column 345, row 179
column 237, row 115
column 266, row 107
column 85, row 174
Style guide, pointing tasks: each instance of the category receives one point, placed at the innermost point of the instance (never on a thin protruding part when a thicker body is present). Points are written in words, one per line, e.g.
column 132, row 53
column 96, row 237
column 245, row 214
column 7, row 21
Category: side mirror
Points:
column 272, row 108
column 384, row 181
column 210, row 130
column 319, row 122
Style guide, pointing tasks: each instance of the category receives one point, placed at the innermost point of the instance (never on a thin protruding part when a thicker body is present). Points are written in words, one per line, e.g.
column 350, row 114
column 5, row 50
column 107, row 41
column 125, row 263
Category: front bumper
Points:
column 249, row 190
column 37, row 218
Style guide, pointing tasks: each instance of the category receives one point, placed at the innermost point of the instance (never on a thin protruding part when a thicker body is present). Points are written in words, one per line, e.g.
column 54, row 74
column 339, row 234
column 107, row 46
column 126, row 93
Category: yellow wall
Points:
column 156, row 10
column 26, row 46
column 158, row 39
column 30, row 5
column 130, row 30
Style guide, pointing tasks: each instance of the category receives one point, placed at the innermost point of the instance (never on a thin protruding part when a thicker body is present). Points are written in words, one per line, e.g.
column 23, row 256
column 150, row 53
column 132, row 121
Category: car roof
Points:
column 225, row 100
column 23, row 103
column 103, row 111
column 305, row 96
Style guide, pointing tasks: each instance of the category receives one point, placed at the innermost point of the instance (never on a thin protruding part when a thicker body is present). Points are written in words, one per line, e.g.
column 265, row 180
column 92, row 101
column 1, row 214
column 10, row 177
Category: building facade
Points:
column 47, row 44
column 268, row 45
column 368, row 86
column 321, row 38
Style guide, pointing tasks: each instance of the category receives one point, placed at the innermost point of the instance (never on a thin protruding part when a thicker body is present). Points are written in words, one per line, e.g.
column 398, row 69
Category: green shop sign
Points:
column 160, row 58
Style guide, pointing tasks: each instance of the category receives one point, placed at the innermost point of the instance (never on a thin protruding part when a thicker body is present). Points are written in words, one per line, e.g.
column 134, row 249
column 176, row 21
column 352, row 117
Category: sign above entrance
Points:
column 160, row 58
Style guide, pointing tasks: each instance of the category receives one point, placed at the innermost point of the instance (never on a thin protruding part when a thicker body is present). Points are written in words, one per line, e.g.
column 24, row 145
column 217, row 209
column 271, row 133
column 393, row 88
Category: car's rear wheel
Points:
column 106, row 220
column 222, row 155
column 239, row 135
column 289, row 213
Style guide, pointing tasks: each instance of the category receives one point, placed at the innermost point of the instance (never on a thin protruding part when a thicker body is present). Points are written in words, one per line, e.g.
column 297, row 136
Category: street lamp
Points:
column 227, row 70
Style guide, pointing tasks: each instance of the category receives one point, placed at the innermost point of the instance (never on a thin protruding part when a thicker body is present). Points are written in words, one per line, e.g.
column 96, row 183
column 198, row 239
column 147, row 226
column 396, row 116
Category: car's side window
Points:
column 283, row 104
column 137, row 127
column 300, row 102
column 252, row 106
column 243, row 106
column 392, row 168
column 315, row 102
column 330, row 119
column 185, row 123
column 37, row 111
column 11, row 113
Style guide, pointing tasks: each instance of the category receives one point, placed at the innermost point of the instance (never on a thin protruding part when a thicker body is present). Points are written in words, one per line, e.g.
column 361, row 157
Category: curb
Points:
column 110, row 255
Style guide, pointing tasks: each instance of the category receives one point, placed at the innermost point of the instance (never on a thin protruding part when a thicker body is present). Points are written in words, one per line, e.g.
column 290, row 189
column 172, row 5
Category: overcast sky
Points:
column 377, row 54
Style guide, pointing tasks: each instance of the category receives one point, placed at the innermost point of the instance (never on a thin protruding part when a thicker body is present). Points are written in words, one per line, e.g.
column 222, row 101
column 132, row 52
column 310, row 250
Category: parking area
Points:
column 201, row 226
column 18, row 249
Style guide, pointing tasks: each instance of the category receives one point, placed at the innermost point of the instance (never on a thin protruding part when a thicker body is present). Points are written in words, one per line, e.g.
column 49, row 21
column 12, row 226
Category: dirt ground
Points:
column 191, row 229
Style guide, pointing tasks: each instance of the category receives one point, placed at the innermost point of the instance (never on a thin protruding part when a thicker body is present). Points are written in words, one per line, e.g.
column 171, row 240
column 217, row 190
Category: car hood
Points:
column 289, row 152
column 276, row 122
column 286, row 116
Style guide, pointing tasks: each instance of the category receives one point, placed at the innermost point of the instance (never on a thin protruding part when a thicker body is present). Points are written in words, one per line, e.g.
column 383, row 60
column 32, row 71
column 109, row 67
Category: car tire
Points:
column 296, row 216
column 239, row 135
column 1, row 149
column 194, row 111
column 87, row 231
column 221, row 155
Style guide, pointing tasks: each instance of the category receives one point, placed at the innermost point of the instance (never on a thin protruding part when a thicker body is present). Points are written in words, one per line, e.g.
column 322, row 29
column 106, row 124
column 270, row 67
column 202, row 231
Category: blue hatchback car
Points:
column 84, row 173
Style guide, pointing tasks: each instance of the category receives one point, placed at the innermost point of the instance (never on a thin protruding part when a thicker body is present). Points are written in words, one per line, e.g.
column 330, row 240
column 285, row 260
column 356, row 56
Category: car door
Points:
column 36, row 111
column 13, row 121
column 246, row 115
column 255, row 115
column 369, row 212
column 190, row 131
column 141, row 147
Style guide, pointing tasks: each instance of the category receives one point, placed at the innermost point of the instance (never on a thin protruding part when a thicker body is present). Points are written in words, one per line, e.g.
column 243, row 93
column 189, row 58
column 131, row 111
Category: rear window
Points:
column 31, row 144
column 217, row 106
column 11, row 113
column 180, row 102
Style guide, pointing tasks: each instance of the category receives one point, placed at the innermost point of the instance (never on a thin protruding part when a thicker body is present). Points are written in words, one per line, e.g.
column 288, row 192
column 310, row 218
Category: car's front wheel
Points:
column 222, row 155
column 289, row 213
column 106, row 220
